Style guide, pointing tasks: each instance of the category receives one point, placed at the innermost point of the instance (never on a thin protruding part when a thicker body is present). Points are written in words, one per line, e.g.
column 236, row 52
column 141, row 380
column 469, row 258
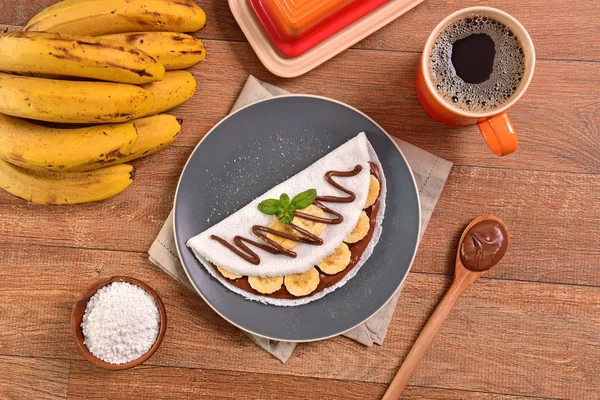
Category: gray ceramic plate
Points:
column 261, row 145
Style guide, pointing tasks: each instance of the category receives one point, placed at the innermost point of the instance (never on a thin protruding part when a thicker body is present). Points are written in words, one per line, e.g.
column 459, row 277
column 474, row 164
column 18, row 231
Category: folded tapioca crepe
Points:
column 310, row 260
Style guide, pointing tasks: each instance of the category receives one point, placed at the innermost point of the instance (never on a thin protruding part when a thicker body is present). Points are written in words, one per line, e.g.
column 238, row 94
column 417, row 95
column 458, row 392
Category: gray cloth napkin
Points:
column 430, row 173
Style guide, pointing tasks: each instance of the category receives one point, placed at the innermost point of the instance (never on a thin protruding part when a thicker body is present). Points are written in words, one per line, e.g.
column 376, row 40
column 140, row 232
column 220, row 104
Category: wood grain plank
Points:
column 556, row 28
column 33, row 378
column 559, row 129
column 498, row 334
column 37, row 318
column 552, row 217
column 423, row 393
column 88, row 382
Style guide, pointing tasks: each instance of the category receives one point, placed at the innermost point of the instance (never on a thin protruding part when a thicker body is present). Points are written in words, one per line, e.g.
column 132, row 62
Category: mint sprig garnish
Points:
column 304, row 199
column 284, row 202
column 284, row 207
column 269, row 207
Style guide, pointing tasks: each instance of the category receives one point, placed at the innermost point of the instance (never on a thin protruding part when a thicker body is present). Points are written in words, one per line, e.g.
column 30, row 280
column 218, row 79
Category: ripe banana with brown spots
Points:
column 45, row 187
column 155, row 133
column 85, row 57
column 176, row 88
column 64, row 101
column 171, row 49
column 39, row 147
column 54, row 8
column 102, row 17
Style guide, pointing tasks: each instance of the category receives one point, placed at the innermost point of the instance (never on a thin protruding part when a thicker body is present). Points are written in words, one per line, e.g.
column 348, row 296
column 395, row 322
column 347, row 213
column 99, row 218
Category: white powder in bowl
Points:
column 121, row 323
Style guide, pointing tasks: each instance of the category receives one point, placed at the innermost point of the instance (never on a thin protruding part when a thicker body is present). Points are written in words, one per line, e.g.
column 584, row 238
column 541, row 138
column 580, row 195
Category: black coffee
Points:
column 476, row 63
column 473, row 57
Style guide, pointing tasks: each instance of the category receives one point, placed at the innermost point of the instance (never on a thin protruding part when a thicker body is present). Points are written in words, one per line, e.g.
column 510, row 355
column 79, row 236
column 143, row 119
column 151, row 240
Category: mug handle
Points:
column 499, row 134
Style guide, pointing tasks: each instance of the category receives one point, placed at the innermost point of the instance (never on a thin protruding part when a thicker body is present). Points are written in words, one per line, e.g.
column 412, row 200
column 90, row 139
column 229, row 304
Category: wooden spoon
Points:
column 478, row 251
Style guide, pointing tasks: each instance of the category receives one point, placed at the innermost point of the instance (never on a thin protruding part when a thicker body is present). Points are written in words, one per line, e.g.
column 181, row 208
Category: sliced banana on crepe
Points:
column 281, row 227
column 374, row 188
column 360, row 230
column 336, row 262
column 265, row 285
column 229, row 274
column 316, row 228
column 302, row 284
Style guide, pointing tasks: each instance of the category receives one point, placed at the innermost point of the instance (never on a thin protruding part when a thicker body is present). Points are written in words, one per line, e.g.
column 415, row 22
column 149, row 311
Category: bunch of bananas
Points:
column 83, row 90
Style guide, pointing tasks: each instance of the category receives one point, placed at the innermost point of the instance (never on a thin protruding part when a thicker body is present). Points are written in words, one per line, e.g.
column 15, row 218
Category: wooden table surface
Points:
column 529, row 329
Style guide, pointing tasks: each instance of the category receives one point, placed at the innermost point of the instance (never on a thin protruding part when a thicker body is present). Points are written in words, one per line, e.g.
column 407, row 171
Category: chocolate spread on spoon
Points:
column 356, row 249
column 484, row 245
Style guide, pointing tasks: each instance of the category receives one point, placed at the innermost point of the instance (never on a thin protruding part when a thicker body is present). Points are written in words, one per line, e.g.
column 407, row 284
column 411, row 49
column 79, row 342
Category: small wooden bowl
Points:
column 79, row 310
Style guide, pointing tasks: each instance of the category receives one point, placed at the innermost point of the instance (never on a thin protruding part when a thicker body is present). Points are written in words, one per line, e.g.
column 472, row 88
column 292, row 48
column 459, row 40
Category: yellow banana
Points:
column 86, row 57
column 45, row 187
column 175, row 89
column 360, row 230
column 72, row 101
column 38, row 147
column 102, row 17
column 55, row 8
column 171, row 49
column 155, row 133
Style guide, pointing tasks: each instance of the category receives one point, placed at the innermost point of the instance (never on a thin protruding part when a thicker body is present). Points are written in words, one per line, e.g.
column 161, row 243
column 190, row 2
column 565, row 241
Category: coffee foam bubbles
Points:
column 509, row 65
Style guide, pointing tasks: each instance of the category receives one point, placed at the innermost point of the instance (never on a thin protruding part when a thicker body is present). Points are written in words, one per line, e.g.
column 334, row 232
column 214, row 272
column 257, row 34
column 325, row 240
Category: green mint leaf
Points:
column 283, row 208
column 284, row 201
column 304, row 199
column 287, row 217
column 269, row 206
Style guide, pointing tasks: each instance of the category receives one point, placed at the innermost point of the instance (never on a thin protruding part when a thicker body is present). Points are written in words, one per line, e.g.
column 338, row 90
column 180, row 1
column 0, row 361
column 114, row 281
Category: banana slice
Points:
column 279, row 226
column 374, row 188
column 360, row 230
column 336, row 262
column 316, row 228
column 265, row 285
column 229, row 274
column 302, row 284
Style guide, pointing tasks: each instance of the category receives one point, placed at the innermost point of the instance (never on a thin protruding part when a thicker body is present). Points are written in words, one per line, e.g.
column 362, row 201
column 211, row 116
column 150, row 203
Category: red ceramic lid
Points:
column 296, row 26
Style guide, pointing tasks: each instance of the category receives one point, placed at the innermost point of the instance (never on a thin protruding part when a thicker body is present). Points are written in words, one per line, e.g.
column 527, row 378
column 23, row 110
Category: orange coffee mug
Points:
column 494, row 124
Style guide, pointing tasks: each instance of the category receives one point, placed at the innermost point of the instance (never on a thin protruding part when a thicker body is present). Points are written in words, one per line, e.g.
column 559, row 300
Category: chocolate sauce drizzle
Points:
column 241, row 249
